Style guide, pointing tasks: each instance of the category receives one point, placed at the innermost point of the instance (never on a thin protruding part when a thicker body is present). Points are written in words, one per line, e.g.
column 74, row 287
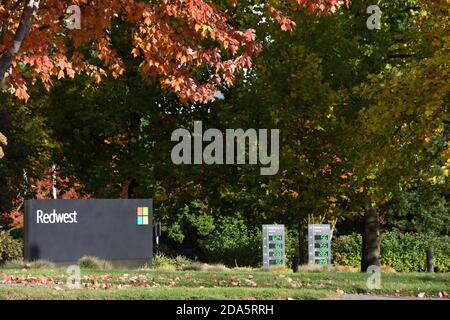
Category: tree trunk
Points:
column 130, row 183
column 3, row 143
column 5, row 122
column 301, row 245
column 125, row 190
column 26, row 20
column 371, row 240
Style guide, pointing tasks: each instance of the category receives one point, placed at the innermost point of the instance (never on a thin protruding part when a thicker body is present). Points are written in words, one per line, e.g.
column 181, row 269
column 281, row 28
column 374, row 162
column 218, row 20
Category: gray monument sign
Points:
column 319, row 240
column 63, row 231
column 273, row 243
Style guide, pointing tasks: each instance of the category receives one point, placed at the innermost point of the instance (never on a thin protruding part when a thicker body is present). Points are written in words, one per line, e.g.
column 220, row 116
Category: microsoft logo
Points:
column 142, row 215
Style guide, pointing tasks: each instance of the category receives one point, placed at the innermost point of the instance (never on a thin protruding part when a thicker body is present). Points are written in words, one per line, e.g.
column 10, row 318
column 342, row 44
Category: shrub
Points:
column 20, row 264
column 14, row 264
column 346, row 250
column 422, row 209
column 291, row 246
column 88, row 262
column 233, row 245
column 407, row 252
column 163, row 262
column 402, row 252
column 10, row 249
column 181, row 262
column 40, row 264
column 198, row 266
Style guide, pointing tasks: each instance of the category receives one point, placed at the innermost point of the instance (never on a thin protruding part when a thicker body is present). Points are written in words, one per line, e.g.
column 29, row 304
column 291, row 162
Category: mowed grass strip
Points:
column 38, row 293
column 156, row 284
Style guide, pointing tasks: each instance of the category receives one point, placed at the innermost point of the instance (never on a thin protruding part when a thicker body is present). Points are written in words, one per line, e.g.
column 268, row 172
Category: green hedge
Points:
column 403, row 252
column 10, row 249
column 233, row 243
column 346, row 250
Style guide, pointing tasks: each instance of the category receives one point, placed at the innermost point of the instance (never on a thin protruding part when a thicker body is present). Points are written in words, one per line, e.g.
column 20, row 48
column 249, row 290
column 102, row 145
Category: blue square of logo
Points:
column 140, row 220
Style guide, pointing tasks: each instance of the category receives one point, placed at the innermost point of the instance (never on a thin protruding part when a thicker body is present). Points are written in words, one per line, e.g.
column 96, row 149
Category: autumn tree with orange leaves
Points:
column 168, row 36
column 172, row 38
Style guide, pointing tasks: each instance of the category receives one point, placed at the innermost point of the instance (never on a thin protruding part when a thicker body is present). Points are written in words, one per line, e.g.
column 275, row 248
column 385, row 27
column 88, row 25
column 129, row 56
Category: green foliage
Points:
column 353, row 106
column 421, row 210
column 162, row 261
column 291, row 245
column 407, row 252
column 407, row 107
column 28, row 158
column 10, row 249
column 88, row 262
column 346, row 250
column 234, row 244
column 403, row 252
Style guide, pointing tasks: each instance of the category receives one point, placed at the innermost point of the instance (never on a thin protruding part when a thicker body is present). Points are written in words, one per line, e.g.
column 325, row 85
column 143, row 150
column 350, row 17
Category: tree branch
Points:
column 26, row 20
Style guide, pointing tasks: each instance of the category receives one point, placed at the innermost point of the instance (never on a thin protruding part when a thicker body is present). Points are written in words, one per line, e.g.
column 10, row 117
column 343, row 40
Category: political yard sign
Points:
column 62, row 231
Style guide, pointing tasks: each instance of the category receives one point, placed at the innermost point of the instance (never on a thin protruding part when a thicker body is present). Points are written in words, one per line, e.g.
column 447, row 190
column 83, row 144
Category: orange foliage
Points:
column 168, row 38
column 43, row 188
column 16, row 219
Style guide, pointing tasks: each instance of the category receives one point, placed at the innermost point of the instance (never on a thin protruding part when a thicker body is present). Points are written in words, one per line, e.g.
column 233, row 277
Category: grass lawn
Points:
column 156, row 284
